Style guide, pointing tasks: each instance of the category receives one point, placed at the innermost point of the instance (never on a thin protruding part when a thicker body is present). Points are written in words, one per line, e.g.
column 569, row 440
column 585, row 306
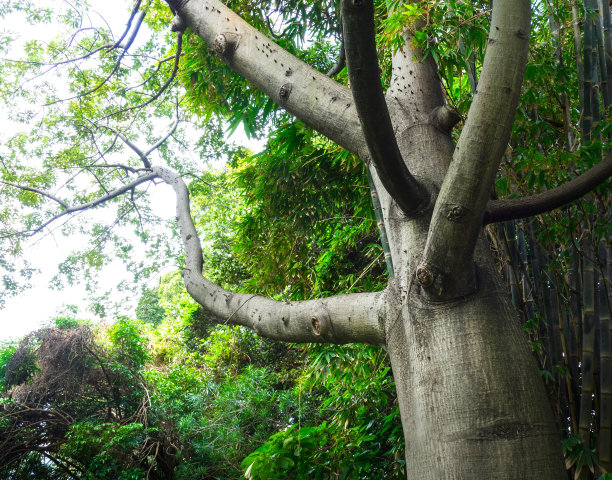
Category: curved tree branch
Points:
column 85, row 206
column 38, row 191
column 447, row 269
column 502, row 210
column 160, row 142
column 163, row 88
column 366, row 87
column 337, row 68
column 133, row 147
column 144, row 156
column 340, row 319
column 317, row 100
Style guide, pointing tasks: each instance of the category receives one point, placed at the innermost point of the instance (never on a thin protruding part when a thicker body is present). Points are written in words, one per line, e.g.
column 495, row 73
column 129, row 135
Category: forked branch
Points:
column 139, row 18
column 340, row 319
column 83, row 206
column 366, row 87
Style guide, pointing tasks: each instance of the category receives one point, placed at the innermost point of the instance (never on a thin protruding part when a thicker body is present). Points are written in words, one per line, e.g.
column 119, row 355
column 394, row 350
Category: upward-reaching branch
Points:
column 310, row 95
column 364, row 74
column 340, row 319
column 447, row 269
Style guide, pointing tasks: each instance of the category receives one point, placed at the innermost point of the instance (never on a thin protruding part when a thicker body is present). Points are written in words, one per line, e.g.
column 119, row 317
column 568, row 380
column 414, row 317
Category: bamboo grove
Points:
column 559, row 265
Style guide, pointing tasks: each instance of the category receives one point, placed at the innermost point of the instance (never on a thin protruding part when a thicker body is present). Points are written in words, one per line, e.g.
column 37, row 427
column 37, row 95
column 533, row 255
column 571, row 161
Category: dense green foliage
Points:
column 170, row 395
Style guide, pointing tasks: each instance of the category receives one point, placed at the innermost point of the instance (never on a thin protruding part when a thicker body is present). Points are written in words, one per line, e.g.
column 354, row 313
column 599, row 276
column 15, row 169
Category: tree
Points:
column 445, row 316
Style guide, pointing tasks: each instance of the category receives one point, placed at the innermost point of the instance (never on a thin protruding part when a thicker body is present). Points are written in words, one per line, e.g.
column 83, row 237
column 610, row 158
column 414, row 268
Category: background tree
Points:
column 444, row 317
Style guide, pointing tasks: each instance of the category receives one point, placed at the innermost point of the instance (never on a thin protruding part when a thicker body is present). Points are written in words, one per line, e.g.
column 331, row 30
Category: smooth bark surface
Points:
column 471, row 402
column 310, row 95
column 340, row 319
column 364, row 76
column 447, row 270
column 502, row 210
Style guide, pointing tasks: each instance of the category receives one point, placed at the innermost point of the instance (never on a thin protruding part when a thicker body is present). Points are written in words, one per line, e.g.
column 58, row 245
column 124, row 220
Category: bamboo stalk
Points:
column 572, row 324
column 555, row 30
column 569, row 377
column 607, row 20
column 604, row 445
column 601, row 55
column 380, row 221
column 542, row 301
column 470, row 66
column 526, row 282
column 590, row 44
column 578, row 53
column 588, row 344
column 511, row 248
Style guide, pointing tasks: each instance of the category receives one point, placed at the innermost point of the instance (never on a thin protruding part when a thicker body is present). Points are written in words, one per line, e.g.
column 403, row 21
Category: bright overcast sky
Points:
column 39, row 304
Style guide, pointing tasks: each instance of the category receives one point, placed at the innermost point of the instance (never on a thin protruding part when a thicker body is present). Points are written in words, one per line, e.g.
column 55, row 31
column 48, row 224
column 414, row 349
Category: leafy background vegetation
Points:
column 169, row 394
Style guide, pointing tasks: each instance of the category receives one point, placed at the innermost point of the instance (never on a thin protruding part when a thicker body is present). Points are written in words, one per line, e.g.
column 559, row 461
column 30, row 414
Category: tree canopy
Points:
column 96, row 119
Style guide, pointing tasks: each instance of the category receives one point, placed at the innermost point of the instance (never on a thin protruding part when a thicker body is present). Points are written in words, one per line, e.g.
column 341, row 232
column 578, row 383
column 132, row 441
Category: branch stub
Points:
column 285, row 91
column 316, row 325
column 455, row 213
column 226, row 43
column 425, row 276
column 178, row 24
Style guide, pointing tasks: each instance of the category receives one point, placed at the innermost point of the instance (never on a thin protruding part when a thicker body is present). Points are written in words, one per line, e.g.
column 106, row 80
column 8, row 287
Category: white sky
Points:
column 39, row 304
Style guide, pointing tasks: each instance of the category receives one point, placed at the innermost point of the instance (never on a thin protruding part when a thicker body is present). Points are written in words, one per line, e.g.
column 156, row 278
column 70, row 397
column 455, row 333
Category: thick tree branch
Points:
column 340, row 319
column 310, row 95
column 502, row 210
column 366, row 87
column 447, row 269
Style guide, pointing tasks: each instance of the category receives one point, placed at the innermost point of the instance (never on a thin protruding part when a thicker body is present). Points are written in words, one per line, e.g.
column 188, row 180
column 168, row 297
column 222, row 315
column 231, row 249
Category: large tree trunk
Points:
column 471, row 400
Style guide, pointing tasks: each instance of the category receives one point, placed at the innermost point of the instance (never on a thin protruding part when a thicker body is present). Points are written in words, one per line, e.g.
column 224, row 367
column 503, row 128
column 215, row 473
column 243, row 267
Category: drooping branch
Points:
column 164, row 87
column 340, row 319
column 107, row 46
column 366, row 87
column 447, row 269
column 318, row 101
column 38, row 191
column 502, row 210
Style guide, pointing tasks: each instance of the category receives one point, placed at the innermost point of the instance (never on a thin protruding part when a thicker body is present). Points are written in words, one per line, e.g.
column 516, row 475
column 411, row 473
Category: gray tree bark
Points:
column 471, row 400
